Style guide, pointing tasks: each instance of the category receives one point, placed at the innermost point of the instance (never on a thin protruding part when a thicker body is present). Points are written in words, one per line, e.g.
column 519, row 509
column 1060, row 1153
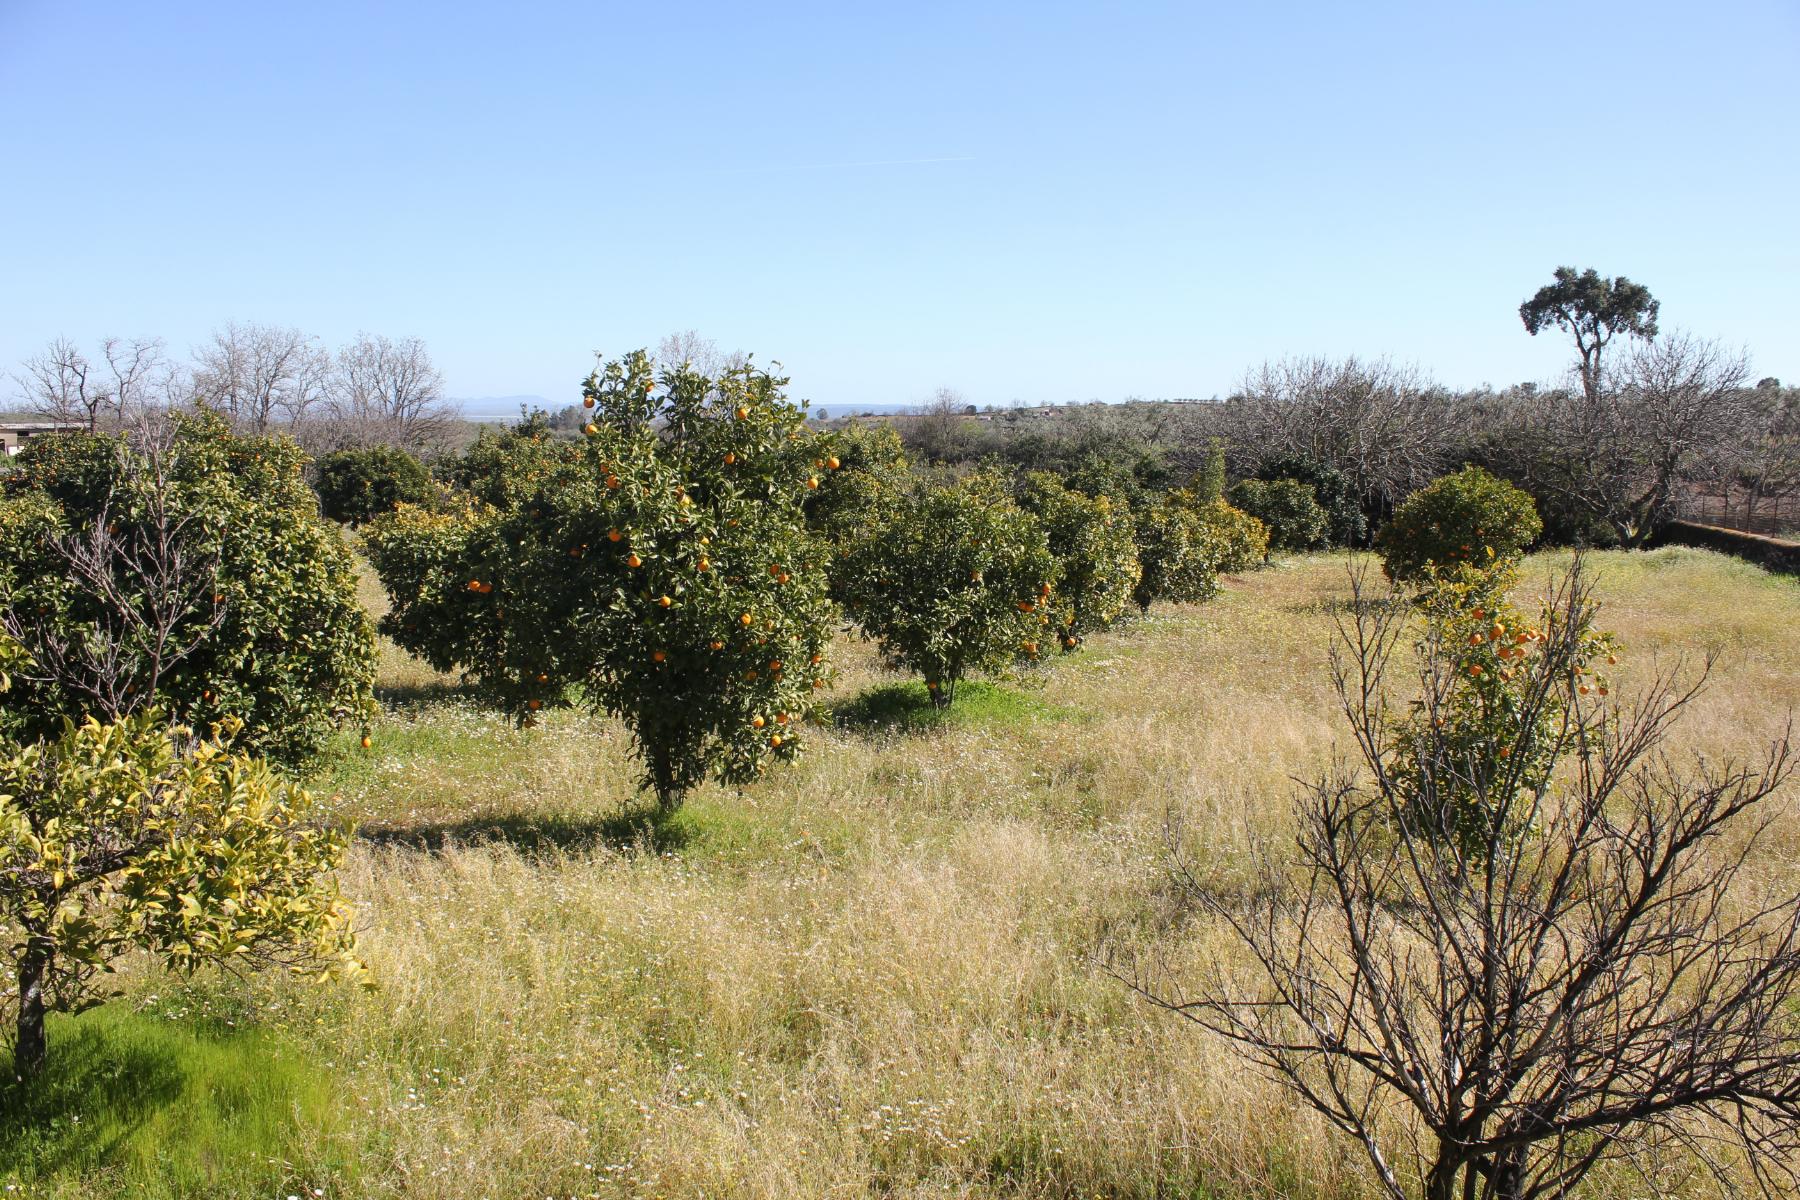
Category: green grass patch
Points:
column 907, row 708
column 136, row 1105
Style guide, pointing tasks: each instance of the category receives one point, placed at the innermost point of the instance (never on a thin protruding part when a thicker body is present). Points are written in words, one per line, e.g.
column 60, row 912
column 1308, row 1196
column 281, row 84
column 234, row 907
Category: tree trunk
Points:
column 34, row 971
column 1441, row 1180
column 662, row 777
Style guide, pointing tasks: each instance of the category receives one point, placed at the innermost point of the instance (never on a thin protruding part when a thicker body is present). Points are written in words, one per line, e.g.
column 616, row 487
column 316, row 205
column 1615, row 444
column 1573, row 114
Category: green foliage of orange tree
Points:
column 185, row 568
column 1237, row 540
column 1179, row 561
column 868, row 471
column 1499, row 689
column 135, row 835
column 956, row 580
column 1288, row 510
column 1466, row 518
column 1095, row 547
column 659, row 570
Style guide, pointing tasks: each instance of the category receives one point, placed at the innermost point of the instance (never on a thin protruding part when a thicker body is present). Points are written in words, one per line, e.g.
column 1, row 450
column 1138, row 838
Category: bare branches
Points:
column 1385, row 427
column 147, row 576
column 1609, row 981
column 260, row 375
column 1675, row 409
column 384, row 390
column 63, row 384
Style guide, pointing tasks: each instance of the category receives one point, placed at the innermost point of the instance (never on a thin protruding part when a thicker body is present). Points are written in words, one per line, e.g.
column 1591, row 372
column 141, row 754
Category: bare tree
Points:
column 1676, row 409
column 702, row 353
column 1388, row 429
column 1600, row 980
column 63, row 384
column 387, row 390
column 261, row 375
column 55, row 385
column 148, row 579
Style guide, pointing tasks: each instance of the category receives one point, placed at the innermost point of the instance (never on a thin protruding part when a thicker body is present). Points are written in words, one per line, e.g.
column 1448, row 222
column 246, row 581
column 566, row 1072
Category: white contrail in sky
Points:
column 877, row 162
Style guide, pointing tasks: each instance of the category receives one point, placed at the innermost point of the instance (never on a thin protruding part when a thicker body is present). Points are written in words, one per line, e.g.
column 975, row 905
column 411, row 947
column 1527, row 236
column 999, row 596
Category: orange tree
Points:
column 1501, row 690
column 1096, row 551
column 184, row 568
column 956, row 579
column 1237, row 540
column 1469, row 517
column 868, row 470
column 659, row 570
column 136, row 835
column 1179, row 563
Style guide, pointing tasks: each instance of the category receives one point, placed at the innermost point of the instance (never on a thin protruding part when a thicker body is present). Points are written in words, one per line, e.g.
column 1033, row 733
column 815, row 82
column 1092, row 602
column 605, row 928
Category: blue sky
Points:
column 1034, row 201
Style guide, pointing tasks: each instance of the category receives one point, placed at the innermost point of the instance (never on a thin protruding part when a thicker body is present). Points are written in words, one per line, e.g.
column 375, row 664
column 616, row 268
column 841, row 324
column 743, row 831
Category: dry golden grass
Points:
column 874, row 974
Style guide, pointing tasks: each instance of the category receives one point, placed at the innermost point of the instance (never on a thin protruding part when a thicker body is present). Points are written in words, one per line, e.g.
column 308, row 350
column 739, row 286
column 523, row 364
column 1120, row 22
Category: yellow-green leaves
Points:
column 137, row 834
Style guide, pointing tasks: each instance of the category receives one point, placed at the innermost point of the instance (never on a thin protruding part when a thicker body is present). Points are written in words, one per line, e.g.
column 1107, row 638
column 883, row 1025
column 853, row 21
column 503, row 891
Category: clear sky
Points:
column 1033, row 201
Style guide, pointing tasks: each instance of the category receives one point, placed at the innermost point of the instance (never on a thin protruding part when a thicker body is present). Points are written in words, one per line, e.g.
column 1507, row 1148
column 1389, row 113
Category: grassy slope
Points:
column 875, row 974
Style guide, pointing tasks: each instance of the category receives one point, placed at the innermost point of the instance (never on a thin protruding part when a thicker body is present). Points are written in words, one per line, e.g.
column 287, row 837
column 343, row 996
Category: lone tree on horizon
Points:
column 1594, row 310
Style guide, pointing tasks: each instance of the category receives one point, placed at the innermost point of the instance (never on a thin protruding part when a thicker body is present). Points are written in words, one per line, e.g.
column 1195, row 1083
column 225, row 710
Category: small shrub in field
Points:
column 659, row 570
column 1095, row 547
column 1330, row 489
column 1179, row 563
column 1469, row 517
column 1287, row 508
column 355, row 486
column 957, row 580
column 1500, row 687
column 139, row 836
column 187, row 570
column 1238, row 541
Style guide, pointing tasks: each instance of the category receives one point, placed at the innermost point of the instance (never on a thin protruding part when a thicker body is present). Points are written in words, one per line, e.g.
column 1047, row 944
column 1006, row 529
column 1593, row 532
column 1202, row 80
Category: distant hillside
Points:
column 488, row 408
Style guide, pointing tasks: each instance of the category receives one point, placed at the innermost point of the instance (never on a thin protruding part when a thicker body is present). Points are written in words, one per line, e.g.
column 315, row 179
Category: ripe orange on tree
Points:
column 681, row 471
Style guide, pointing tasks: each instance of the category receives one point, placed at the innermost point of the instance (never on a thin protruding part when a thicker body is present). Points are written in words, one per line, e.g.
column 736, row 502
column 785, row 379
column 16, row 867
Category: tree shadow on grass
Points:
column 906, row 708
column 95, row 1092
column 644, row 829
column 410, row 697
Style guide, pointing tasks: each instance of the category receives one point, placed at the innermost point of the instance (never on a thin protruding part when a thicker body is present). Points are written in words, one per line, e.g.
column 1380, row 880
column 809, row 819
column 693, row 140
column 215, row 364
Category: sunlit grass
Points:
column 141, row 1104
column 879, row 973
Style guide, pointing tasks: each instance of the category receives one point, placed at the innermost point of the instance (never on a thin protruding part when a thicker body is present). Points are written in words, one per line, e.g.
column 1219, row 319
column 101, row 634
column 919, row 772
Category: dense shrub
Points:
column 504, row 469
column 1286, row 507
column 1095, row 476
column 1330, row 489
column 1095, row 548
column 871, row 471
column 357, row 485
column 1178, row 560
column 957, row 580
column 1209, row 481
column 189, row 570
column 660, row 570
column 138, row 836
column 1468, row 517
column 1236, row 540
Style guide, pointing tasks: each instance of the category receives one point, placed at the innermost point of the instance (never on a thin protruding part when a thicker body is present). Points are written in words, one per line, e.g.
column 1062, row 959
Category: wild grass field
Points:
column 882, row 973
